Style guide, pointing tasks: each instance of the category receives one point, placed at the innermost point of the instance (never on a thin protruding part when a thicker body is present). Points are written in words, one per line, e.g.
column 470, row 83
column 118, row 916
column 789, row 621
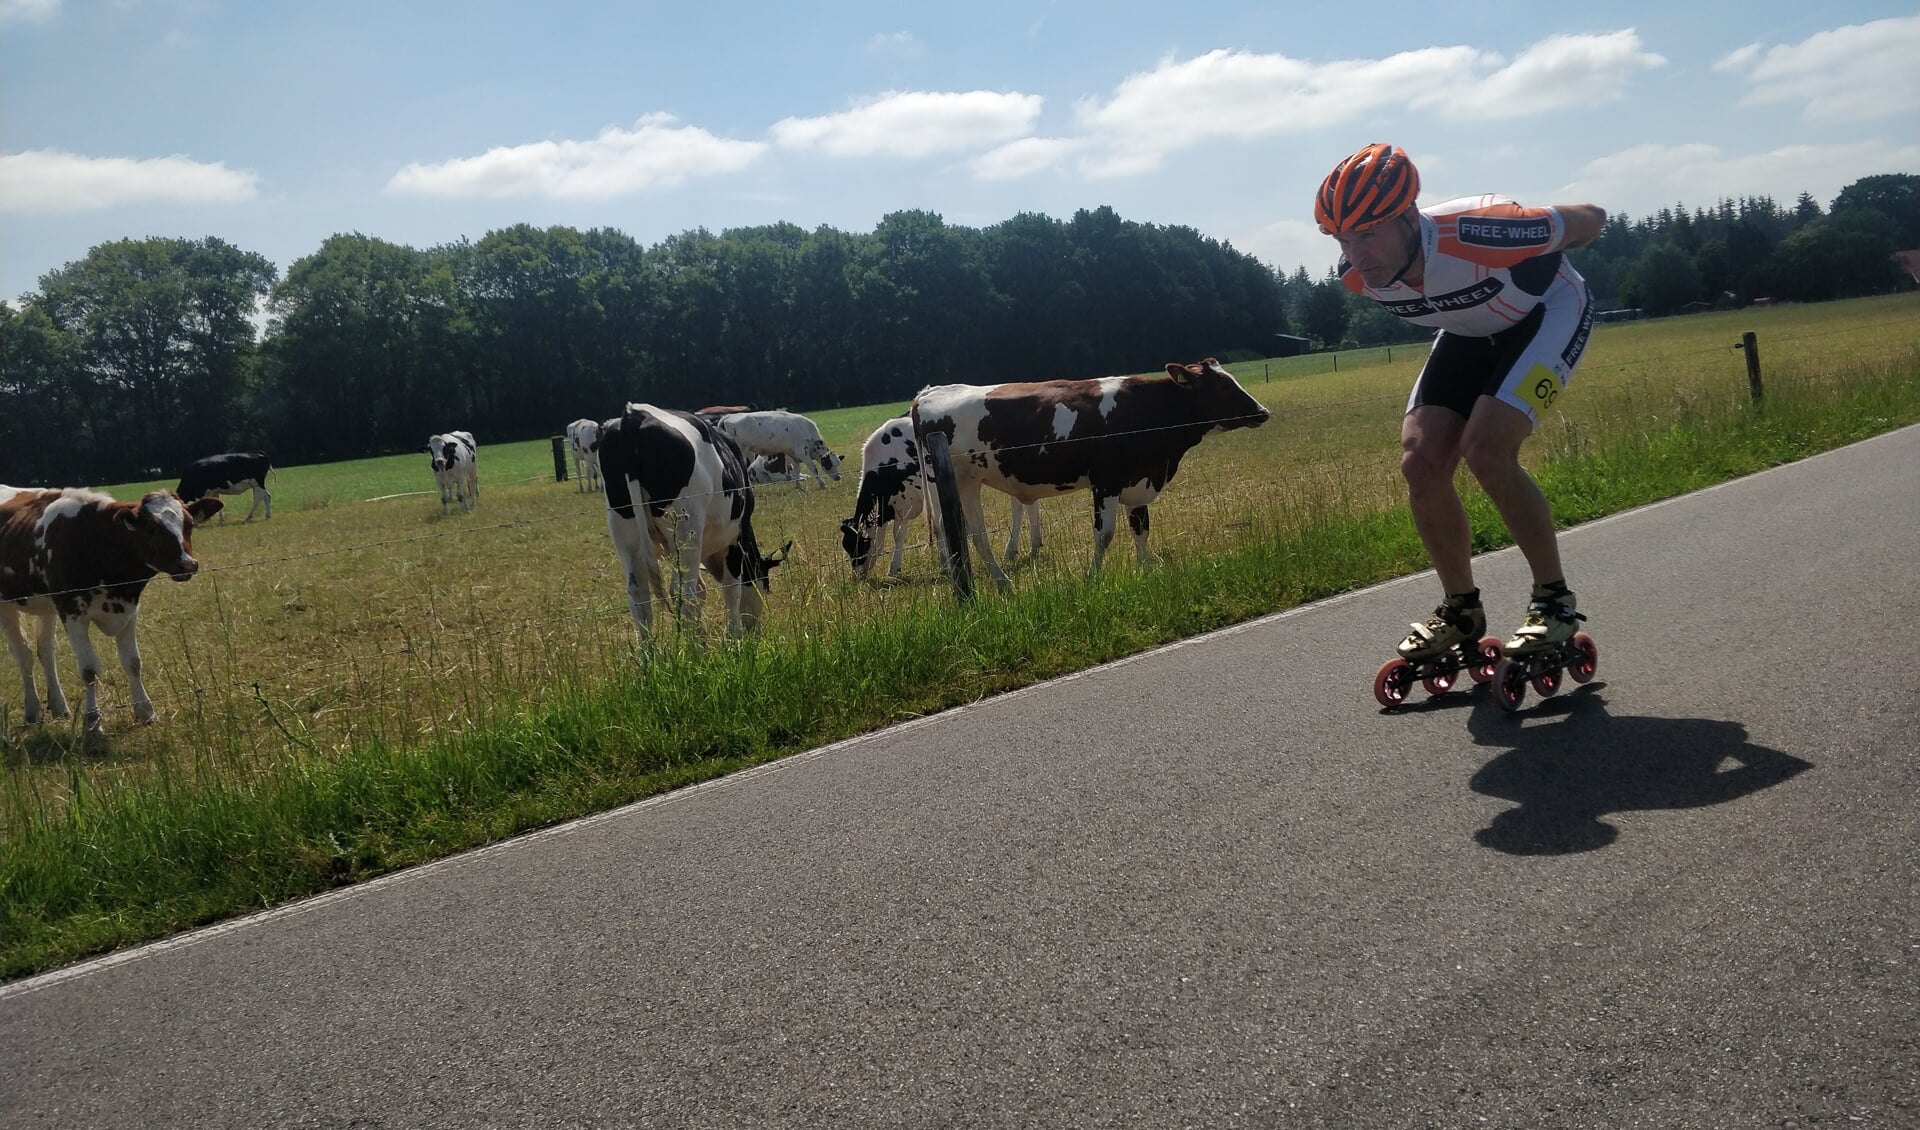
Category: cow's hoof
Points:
column 144, row 716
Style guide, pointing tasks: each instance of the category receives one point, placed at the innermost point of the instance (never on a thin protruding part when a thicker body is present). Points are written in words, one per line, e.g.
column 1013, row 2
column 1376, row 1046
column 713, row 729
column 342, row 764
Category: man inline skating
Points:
column 1513, row 317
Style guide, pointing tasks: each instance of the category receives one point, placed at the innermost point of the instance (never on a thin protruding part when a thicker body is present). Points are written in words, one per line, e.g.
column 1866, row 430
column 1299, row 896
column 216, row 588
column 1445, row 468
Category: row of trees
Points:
column 145, row 354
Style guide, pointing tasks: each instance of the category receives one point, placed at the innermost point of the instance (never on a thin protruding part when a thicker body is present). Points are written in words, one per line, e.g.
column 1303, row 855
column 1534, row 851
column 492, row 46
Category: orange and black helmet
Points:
column 1375, row 184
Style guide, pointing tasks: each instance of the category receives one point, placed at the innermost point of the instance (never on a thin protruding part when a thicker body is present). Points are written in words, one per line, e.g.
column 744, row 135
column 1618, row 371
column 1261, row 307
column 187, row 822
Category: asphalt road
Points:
column 1210, row 886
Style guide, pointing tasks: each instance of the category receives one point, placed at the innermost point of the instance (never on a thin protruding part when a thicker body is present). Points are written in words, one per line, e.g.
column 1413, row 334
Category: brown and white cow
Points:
column 83, row 558
column 1120, row 437
column 677, row 489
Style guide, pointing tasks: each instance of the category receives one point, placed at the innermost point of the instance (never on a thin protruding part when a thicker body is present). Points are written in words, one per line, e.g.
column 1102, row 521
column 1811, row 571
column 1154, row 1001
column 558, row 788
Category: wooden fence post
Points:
column 559, row 459
column 953, row 520
column 1750, row 344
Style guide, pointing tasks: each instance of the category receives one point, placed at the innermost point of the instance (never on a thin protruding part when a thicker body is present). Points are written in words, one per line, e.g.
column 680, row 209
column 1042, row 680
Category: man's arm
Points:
column 1583, row 222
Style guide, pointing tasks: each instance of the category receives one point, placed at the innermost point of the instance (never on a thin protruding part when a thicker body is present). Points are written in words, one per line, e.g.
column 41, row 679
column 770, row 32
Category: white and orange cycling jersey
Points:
column 1493, row 269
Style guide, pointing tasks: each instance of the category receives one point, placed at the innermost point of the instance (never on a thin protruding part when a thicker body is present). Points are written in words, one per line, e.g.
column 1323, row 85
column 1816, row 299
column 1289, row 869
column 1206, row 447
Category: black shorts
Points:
column 1525, row 365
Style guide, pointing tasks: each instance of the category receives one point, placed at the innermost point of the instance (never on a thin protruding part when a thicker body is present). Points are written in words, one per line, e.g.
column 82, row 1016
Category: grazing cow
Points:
column 678, row 488
column 782, row 433
column 1120, row 437
column 892, row 491
column 455, row 469
column 583, row 439
column 235, row 472
column 83, row 558
column 774, row 469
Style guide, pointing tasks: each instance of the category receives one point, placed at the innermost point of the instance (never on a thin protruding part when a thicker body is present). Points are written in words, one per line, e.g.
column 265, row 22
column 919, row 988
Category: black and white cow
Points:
column 773, row 469
column 81, row 558
column 787, row 434
column 235, row 472
column 1120, row 437
column 677, row 488
column 583, row 439
column 455, row 469
column 893, row 492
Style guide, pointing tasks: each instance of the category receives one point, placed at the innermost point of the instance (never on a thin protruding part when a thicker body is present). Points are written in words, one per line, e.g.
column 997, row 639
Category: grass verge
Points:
column 114, row 867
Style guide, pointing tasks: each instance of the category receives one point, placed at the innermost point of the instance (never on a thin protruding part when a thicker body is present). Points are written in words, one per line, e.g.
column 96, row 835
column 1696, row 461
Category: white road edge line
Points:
column 303, row 906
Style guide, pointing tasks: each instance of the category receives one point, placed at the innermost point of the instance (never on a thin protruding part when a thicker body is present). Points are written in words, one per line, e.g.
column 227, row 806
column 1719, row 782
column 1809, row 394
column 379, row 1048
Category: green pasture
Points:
column 361, row 683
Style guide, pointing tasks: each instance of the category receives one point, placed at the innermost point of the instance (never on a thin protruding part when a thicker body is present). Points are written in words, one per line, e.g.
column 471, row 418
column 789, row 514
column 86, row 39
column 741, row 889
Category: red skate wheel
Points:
column 1583, row 668
column 1393, row 682
column 1486, row 660
column 1442, row 670
column 1510, row 684
column 1547, row 682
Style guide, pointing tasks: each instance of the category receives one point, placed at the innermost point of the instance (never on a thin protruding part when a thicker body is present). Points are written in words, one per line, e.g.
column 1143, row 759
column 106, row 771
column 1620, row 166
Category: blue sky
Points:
column 274, row 123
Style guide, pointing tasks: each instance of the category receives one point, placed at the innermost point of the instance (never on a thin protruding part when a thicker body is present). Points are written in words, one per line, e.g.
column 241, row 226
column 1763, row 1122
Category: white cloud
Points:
column 655, row 153
column 1642, row 180
column 1738, row 58
column 1286, row 245
column 28, row 11
column 1854, row 72
column 914, row 124
column 897, row 44
column 1558, row 73
column 1250, row 96
column 52, row 181
column 1024, row 157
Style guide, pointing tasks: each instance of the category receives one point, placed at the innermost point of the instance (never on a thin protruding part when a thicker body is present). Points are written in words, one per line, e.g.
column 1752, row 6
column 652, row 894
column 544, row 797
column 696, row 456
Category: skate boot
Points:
column 1544, row 648
column 1551, row 622
column 1436, row 652
column 1450, row 624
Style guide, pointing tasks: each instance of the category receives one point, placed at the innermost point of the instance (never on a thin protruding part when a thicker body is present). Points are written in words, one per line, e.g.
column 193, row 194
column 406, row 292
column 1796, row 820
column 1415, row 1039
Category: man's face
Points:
column 1381, row 251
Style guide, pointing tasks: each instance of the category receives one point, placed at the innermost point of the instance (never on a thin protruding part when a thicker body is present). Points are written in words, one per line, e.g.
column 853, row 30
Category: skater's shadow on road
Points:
column 1567, row 774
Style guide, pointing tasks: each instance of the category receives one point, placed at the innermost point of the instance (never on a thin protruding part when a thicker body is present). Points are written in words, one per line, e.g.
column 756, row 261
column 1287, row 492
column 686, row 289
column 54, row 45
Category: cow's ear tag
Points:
column 129, row 519
column 1179, row 374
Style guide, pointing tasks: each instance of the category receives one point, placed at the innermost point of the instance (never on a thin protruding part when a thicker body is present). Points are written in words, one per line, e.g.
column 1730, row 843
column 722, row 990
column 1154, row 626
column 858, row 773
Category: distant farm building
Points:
column 1288, row 345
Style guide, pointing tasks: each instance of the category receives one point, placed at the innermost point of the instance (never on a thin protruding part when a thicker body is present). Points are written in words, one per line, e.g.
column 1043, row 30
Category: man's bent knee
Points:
column 1426, row 464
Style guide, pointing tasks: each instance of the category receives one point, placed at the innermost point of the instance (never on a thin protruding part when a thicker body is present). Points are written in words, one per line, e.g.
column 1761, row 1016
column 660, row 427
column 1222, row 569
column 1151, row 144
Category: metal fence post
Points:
column 953, row 520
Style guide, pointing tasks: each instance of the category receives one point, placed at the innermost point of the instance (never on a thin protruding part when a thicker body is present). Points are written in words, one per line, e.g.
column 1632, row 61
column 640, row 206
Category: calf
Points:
column 892, row 491
column 583, row 439
column 1120, row 437
column 235, row 472
column 455, row 469
column 83, row 558
column 782, row 433
column 773, row 469
column 678, row 488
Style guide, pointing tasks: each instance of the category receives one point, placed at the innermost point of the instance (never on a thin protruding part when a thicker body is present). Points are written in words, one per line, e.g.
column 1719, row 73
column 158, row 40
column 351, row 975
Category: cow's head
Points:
column 765, row 578
column 162, row 529
column 829, row 462
column 746, row 561
column 856, row 537
column 1220, row 399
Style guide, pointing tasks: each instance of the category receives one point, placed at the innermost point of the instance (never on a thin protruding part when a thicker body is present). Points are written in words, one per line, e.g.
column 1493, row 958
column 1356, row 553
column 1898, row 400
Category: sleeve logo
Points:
column 1493, row 231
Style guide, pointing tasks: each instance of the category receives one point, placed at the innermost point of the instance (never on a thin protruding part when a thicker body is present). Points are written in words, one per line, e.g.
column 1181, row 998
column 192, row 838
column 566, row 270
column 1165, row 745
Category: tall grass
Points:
column 360, row 686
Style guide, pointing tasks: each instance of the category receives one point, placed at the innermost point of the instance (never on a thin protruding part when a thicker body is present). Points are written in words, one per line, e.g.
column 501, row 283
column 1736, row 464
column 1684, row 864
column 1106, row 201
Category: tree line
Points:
column 149, row 353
